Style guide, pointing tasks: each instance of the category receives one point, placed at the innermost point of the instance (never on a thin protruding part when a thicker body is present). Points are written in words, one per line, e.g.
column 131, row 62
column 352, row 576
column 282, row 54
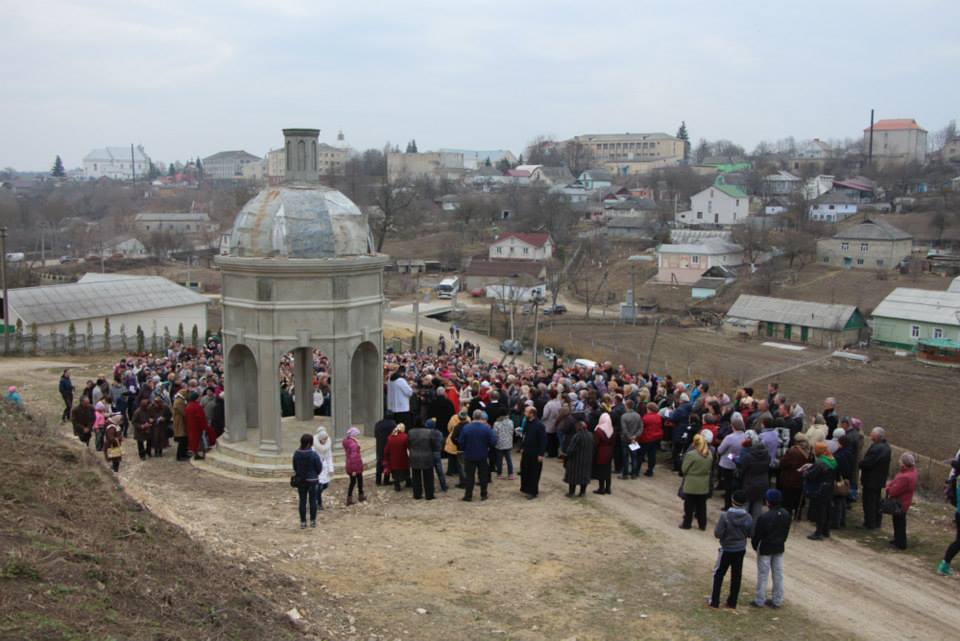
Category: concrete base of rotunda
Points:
column 246, row 460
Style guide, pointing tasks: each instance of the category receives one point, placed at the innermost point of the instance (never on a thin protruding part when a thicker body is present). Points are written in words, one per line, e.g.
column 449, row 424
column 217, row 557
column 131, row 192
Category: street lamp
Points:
column 3, row 277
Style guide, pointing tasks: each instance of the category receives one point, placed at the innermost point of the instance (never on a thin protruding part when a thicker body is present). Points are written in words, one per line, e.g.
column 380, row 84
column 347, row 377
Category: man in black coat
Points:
column 874, row 470
column 532, row 452
column 769, row 538
column 381, row 432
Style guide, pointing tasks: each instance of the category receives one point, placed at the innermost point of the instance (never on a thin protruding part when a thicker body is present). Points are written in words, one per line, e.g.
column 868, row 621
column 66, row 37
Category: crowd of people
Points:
column 769, row 462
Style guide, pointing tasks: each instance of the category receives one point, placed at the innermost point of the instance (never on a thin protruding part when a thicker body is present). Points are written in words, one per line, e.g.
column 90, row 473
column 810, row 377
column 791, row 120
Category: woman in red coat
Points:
column 197, row 426
column 650, row 437
column 396, row 461
column 603, row 453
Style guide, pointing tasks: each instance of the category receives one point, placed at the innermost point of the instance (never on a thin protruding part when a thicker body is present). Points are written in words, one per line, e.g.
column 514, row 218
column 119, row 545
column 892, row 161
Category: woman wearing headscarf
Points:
column 817, row 432
column 197, row 427
column 901, row 489
column 324, row 449
column 696, row 469
column 396, row 461
column 819, row 478
column 112, row 440
column 791, row 479
column 728, row 452
column 578, row 466
column 754, row 465
column 603, row 453
column 353, row 465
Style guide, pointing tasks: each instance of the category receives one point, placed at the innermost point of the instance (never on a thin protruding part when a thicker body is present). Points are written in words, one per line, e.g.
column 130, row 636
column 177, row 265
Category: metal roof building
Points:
column 148, row 301
column 800, row 321
column 907, row 316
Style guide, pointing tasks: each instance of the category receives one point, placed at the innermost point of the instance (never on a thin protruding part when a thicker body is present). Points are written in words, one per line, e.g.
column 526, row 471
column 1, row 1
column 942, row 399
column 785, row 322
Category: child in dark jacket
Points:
column 732, row 530
column 769, row 539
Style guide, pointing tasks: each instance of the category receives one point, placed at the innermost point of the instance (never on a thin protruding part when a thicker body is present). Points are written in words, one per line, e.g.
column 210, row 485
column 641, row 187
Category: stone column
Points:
column 268, row 397
column 303, row 380
column 341, row 389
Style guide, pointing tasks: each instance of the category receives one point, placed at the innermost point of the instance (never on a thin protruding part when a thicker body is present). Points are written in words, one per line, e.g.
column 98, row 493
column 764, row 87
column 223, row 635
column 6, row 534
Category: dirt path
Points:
column 838, row 582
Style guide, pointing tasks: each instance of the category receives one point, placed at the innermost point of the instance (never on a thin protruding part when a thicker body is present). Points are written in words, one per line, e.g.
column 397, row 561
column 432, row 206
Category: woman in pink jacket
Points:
column 353, row 465
column 901, row 489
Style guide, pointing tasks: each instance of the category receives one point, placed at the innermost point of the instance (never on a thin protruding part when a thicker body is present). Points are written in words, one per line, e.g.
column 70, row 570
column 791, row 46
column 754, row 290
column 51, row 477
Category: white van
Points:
column 448, row 287
column 14, row 257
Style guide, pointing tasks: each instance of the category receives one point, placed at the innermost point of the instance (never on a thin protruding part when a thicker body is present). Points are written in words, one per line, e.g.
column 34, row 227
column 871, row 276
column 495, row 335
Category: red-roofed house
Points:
column 897, row 141
column 518, row 245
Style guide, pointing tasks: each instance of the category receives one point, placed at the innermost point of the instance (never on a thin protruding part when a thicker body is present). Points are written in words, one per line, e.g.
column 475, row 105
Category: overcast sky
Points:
column 189, row 79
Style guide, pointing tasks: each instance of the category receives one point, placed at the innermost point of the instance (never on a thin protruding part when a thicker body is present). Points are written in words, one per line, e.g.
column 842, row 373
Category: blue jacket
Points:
column 307, row 465
column 475, row 441
column 66, row 386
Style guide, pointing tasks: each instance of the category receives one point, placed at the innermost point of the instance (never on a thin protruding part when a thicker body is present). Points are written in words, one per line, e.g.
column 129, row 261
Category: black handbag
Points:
column 889, row 505
column 294, row 481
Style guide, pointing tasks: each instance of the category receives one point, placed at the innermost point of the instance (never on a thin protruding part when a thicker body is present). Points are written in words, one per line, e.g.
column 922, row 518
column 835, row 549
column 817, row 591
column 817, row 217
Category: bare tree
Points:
column 797, row 246
column 395, row 200
column 754, row 241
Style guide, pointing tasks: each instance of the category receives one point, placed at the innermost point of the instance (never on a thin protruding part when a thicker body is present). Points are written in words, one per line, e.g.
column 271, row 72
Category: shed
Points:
column 907, row 316
column 150, row 302
column 821, row 324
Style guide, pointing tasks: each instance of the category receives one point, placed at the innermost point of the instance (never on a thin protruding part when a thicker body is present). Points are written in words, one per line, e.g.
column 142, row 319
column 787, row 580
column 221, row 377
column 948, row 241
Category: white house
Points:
column 125, row 246
column 176, row 223
column 149, row 302
column 118, row 163
column 513, row 245
column 684, row 264
column 782, row 183
column 833, row 207
column 817, row 186
column 596, row 179
column 719, row 204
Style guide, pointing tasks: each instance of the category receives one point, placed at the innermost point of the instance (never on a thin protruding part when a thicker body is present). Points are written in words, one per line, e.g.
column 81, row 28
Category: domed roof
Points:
column 294, row 221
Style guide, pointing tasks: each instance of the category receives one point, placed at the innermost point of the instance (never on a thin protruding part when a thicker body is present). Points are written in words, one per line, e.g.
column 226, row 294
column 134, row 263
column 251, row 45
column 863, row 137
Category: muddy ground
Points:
column 611, row 567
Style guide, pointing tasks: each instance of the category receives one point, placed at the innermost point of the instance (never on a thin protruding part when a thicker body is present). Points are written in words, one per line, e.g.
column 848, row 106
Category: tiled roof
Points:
column 537, row 239
column 895, row 124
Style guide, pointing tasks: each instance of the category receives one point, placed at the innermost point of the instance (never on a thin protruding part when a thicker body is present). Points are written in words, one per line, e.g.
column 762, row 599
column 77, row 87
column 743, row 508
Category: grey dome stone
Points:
column 300, row 221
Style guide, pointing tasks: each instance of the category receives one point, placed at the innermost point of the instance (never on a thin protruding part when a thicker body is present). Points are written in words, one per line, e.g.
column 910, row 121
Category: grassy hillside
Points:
column 79, row 560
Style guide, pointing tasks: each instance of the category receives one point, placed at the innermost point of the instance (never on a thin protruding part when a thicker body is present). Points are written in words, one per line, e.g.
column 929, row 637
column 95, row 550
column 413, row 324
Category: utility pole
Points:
column 870, row 148
column 3, row 277
column 536, row 331
column 103, row 269
column 43, row 250
column 656, row 329
column 416, row 311
column 133, row 166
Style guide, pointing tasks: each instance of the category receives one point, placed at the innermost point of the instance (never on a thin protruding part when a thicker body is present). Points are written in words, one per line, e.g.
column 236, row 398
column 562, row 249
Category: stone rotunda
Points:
column 302, row 274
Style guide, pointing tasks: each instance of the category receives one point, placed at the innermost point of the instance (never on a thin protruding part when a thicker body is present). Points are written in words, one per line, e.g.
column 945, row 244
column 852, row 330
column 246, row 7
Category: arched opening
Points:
column 366, row 386
column 241, row 393
column 305, row 384
column 301, row 155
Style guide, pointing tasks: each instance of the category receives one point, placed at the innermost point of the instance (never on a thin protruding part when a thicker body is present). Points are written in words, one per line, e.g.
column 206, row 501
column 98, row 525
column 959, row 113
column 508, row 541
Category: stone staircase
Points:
column 243, row 462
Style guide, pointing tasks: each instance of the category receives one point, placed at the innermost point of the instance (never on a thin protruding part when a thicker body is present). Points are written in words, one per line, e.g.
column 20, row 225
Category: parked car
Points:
column 479, row 292
column 67, row 259
column 554, row 310
column 511, row 347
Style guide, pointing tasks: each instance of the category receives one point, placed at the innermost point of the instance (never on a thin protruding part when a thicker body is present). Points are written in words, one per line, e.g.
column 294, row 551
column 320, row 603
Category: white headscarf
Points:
column 321, row 442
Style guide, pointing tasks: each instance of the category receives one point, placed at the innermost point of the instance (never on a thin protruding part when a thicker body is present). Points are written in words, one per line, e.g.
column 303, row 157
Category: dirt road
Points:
column 838, row 582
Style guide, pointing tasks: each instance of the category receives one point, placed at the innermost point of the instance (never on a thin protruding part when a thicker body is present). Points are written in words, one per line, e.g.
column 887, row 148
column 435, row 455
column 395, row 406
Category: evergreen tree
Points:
column 72, row 338
column 34, row 338
column 88, row 337
column 180, row 335
column 412, row 147
column 685, row 137
column 141, row 340
column 166, row 336
column 18, row 337
column 58, row 171
column 199, row 168
column 195, row 337
column 520, row 160
column 152, row 171
column 171, row 170
column 106, row 334
column 487, row 162
column 123, row 338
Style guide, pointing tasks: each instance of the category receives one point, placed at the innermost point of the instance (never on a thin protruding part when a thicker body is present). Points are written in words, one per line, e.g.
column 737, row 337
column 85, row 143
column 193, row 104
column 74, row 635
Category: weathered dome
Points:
column 300, row 221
